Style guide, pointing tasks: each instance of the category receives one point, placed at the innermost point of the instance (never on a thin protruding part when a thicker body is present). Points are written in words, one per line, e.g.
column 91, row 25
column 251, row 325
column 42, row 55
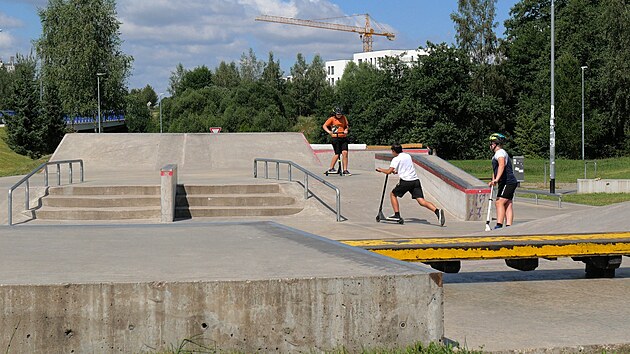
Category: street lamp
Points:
column 160, row 103
column 98, row 90
column 552, row 123
column 583, row 67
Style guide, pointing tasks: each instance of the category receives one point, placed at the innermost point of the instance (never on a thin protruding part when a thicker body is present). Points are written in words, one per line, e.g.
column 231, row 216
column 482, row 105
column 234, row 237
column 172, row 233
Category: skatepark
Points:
column 129, row 271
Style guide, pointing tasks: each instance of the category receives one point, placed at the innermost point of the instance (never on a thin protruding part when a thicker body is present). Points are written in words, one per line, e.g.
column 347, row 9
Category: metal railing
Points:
column 26, row 178
column 306, row 172
column 594, row 164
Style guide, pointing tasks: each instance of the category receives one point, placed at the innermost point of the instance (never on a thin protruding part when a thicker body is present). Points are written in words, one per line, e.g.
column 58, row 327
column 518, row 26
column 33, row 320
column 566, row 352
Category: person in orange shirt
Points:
column 337, row 127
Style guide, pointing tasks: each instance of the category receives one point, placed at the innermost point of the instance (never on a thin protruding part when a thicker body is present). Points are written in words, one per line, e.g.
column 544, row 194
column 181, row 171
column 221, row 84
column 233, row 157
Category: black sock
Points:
column 397, row 213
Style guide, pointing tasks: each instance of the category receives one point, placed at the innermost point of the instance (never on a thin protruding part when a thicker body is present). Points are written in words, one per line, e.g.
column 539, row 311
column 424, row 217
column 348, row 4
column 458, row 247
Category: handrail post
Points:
column 81, row 164
column 46, row 176
column 70, row 166
column 255, row 168
column 58, row 174
column 277, row 170
column 26, row 196
column 305, row 186
column 266, row 170
column 338, row 205
column 10, row 207
column 585, row 163
column 595, row 163
column 289, row 172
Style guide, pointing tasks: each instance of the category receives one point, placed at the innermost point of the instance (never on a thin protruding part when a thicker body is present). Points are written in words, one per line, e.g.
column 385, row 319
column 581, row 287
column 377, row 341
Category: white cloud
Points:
column 162, row 33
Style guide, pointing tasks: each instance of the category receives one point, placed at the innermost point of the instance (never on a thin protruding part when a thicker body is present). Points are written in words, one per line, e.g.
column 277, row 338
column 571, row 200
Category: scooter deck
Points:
column 382, row 217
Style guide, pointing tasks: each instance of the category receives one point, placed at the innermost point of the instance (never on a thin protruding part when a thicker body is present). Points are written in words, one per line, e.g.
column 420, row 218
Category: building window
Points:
column 360, row 61
column 332, row 70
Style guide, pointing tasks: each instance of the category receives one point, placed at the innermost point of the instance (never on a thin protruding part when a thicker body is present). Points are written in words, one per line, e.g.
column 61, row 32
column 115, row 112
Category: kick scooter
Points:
column 382, row 216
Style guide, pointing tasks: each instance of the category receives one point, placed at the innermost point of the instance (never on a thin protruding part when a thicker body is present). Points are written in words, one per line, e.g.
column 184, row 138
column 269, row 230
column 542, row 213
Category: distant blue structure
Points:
column 89, row 123
column 82, row 123
column 5, row 113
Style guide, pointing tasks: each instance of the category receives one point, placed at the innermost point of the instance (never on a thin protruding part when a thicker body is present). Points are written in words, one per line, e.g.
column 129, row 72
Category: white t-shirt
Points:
column 403, row 165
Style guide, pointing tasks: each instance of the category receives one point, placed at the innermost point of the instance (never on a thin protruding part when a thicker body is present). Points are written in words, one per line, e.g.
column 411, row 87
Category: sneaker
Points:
column 347, row 173
column 441, row 218
column 394, row 217
column 332, row 170
column 497, row 227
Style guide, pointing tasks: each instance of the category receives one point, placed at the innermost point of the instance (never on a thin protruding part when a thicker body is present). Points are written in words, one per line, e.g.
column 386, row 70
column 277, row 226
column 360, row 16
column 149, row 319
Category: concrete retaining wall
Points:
column 279, row 315
column 449, row 187
column 603, row 186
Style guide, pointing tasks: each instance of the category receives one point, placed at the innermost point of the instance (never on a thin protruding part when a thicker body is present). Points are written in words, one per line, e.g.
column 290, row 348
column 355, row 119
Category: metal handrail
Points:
column 594, row 162
column 306, row 172
column 36, row 170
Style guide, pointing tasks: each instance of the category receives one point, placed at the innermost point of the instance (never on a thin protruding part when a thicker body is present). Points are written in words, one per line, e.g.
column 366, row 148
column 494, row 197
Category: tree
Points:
column 52, row 125
column 226, row 75
column 5, row 88
column 22, row 129
column 195, row 79
column 137, row 113
column 174, row 87
column 474, row 25
column 81, row 38
column 250, row 68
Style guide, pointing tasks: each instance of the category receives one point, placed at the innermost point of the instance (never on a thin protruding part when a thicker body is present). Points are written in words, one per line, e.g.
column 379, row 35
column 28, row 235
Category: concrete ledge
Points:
column 249, row 286
column 603, row 186
column 462, row 195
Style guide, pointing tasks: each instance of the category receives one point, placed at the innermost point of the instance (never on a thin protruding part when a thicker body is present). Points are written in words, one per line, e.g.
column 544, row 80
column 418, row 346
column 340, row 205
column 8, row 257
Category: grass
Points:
column 12, row 164
column 567, row 171
column 193, row 346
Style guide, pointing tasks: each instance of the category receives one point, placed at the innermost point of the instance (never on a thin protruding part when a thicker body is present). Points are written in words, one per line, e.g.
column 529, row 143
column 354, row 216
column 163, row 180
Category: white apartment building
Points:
column 335, row 68
column 10, row 66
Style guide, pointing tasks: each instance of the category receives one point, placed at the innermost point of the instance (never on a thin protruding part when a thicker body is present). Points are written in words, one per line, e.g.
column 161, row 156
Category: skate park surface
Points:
column 487, row 305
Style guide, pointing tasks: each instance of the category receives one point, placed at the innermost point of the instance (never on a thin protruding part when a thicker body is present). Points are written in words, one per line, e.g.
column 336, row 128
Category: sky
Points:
column 160, row 34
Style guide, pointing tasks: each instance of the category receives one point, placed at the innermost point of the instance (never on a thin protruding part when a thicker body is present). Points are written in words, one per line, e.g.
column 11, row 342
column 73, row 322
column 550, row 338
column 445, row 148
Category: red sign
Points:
column 215, row 130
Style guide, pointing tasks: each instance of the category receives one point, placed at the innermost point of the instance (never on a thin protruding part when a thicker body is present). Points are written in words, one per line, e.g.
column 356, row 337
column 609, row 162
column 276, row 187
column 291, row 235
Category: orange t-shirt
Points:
column 338, row 126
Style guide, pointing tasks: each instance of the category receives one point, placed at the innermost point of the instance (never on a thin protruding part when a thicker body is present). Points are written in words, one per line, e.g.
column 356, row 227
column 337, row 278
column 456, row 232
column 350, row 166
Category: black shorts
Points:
column 339, row 145
column 506, row 191
column 412, row 187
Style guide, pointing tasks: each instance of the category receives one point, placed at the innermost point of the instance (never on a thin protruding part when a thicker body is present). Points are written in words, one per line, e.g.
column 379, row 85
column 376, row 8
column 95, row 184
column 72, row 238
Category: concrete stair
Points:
column 234, row 200
column 77, row 202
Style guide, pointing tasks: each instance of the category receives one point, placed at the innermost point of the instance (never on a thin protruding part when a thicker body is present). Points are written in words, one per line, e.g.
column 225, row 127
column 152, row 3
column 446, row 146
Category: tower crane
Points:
column 365, row 32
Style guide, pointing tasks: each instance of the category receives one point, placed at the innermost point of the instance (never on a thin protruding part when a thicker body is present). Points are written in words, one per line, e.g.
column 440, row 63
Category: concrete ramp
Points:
column 191, row 152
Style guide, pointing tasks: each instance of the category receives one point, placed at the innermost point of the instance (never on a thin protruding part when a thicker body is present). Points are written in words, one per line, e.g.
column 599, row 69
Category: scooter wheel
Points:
column 401, row 221
column 378, row 219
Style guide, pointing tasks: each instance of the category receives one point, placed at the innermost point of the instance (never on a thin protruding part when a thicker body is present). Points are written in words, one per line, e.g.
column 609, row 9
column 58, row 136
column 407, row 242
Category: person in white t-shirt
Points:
column 409, row 182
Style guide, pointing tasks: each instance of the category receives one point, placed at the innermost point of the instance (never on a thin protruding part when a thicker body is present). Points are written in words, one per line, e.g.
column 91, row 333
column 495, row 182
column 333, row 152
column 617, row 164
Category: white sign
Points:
column 215, row 130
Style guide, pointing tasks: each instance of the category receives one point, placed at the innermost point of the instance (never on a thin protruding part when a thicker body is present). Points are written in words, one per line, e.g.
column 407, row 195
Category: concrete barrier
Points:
column 168, row 192
column 462, row 195
column 603, row 186
column 246, row 287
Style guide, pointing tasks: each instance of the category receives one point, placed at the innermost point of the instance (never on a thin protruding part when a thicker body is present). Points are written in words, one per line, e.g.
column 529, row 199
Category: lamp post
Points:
column 98, row 90
column 552, row 123
column 583, row 67
column 160, row 103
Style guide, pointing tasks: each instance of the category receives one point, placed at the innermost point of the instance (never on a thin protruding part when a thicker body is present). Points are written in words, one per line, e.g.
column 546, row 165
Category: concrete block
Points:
column 247, row 287
column 603, row 186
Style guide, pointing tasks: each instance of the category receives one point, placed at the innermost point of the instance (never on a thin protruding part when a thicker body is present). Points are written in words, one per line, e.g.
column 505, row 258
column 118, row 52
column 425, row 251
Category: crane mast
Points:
column 365, row 32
